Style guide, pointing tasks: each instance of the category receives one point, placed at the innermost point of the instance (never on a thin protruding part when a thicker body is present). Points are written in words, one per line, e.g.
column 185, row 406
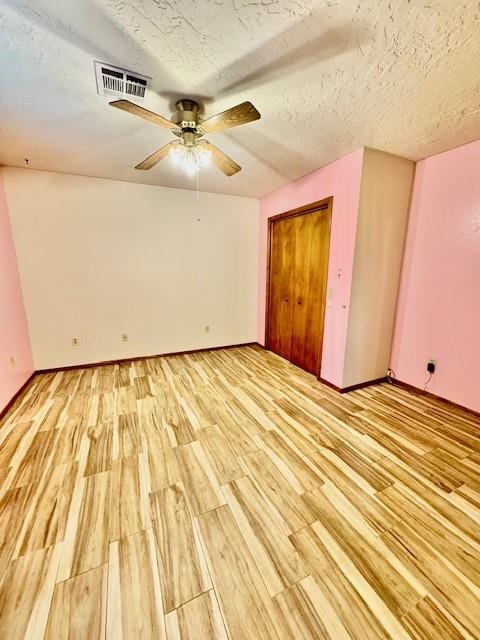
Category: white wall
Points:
column 381, row 228
column 98, row 258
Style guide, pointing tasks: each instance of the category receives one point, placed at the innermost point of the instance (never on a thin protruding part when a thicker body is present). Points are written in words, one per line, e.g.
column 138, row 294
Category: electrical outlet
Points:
column 13, row 362
column 75, row 342
column 431, row 365
column 124, row 337
column 207, row 328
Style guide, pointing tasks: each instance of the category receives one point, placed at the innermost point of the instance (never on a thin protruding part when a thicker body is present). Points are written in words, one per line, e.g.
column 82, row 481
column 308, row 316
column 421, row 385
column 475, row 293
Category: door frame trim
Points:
column 319, row 205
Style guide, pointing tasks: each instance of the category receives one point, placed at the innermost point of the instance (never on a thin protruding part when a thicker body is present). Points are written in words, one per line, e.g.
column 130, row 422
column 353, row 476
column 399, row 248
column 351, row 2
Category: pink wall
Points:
column 14, row 339
column 438, row 312
column 341, row 179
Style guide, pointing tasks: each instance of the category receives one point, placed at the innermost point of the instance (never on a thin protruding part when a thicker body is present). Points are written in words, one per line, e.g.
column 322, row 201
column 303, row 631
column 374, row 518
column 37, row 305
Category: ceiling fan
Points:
column 191, row 152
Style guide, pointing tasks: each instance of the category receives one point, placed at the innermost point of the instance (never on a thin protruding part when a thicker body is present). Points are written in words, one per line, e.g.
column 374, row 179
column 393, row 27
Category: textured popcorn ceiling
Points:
column 328, row 77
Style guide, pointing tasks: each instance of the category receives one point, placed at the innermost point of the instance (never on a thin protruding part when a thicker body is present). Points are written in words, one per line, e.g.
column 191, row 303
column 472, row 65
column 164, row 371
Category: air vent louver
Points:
column 114, row 82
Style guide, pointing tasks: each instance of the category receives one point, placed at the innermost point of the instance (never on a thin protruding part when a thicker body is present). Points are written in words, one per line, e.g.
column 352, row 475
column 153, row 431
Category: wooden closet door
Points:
column 282, row 264
column 311, row 265
column 297, row 287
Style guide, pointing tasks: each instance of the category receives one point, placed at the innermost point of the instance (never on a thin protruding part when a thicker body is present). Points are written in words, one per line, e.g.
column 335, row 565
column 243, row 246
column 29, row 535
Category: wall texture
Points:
column 99, row 258
column 380, row 241
column 439, row 305
column 341, row 179
column 14, row 339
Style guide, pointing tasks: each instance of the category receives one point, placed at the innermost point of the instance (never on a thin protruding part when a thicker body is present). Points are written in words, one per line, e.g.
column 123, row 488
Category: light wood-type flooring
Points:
column 228, row 494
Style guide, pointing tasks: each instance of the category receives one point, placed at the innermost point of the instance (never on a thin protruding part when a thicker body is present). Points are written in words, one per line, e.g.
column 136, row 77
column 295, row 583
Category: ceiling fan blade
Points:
column 241, row 114
column 222, row 161
column 158, row 155
column 136, row 110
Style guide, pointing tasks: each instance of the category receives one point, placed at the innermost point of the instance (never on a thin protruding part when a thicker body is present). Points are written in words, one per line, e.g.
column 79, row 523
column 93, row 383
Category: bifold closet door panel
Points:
column 281, row 285
column 312, row 242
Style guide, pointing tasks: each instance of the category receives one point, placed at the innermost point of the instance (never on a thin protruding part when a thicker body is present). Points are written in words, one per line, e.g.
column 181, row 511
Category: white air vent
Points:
column 114, row 82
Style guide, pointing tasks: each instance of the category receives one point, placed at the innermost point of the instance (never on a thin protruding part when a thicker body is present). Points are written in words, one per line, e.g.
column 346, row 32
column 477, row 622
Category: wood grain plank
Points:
column 31, row 580
column 40, row 451
column 304, row 614
column 129, row 437
column 266, row 536
column 251, row 613
column 372, row 599
column 135, row 581
column 198, row 619
column 100, row 439
column 459, row 552
column 92, row 526
column 11, row 441
column 174, row 416
column 294, row 511
column 44, row 523
column 201, row 487
column 183, row 573
column 373, row 510
column 459, row 469
column 426, row 621
column 127, row 515
column 53, row 417
column 353, row 612
column 14, row 507
column 68, row 442
column 386, row 580
column 300, row 470
column 442, row 582
column 221, row 456
column 78, row 607
column 427, row 496
column 162, row 461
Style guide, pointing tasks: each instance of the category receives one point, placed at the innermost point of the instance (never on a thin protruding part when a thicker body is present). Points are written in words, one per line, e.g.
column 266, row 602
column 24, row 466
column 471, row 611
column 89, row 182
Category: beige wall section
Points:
column 382, row 221
column 99, row 258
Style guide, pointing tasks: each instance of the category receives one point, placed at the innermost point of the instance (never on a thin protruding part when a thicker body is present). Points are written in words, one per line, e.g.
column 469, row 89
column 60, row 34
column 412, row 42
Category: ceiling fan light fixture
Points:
column 190, row 159
column 190, row 153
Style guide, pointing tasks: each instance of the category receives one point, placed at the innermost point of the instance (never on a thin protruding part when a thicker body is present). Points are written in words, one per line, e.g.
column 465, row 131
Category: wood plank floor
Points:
column 229, row 495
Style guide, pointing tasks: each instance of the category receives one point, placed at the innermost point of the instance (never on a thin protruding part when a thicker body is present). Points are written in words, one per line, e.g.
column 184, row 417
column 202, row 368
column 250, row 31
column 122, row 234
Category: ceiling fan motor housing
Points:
column 187, row 114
